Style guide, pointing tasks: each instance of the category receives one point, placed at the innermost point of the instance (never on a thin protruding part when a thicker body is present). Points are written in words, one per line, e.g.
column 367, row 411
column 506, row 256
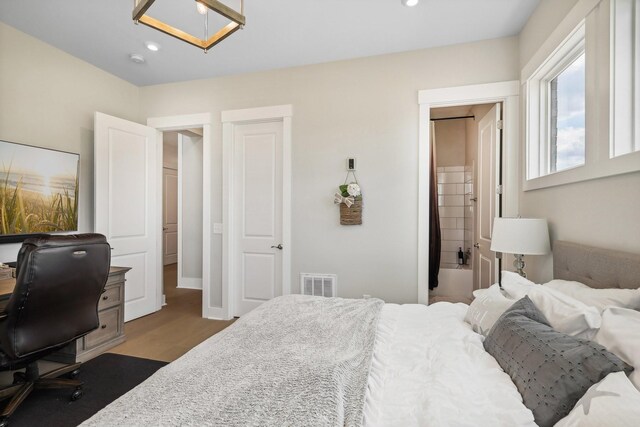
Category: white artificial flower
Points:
column 353, row 189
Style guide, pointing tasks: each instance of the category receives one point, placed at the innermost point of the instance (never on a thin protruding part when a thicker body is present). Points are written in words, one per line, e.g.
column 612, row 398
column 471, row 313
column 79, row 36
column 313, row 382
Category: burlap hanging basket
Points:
column 351, row 215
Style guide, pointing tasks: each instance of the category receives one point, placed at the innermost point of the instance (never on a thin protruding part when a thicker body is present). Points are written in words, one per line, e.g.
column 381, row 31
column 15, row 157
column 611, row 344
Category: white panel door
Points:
column 257, row 201
column 126, row 202
column 170, row 216
column 487, row 204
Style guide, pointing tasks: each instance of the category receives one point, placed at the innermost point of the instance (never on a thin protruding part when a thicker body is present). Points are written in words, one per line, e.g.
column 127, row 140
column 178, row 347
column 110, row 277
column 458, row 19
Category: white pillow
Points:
column 598, row 298
column 620, row 334
column 564, row 313
column 478, row 292
column 613, row 402
column 486, row 308
column 516, row 285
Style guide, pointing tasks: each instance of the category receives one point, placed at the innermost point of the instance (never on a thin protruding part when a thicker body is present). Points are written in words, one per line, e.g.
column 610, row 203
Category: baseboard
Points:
column 216, row 313
column 189, row 283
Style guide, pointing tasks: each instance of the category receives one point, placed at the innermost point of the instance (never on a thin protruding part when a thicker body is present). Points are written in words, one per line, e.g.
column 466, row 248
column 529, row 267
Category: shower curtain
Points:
column 434, row 217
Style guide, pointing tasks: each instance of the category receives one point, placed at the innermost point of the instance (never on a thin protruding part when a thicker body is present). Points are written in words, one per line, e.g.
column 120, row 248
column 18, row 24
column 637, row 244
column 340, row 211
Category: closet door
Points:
column 257, row 214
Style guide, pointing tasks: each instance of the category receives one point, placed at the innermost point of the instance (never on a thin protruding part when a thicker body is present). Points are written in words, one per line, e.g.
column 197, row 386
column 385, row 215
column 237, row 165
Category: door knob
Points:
column 277, row 247
column 476, row 245
column 165, row 228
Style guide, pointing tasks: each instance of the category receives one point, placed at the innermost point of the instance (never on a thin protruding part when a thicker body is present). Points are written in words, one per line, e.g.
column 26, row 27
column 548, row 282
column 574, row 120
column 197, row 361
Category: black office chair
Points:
column 55, row 301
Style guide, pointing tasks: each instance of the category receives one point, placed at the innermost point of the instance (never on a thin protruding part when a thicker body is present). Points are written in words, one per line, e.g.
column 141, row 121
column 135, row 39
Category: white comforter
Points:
column 430, row 369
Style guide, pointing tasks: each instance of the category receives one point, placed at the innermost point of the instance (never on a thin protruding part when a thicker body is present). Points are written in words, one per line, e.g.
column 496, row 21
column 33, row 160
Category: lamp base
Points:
column 518, row 263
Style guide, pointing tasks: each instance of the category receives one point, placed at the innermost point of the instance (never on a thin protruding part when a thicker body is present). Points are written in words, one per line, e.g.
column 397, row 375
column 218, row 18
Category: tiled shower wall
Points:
column 455, row 190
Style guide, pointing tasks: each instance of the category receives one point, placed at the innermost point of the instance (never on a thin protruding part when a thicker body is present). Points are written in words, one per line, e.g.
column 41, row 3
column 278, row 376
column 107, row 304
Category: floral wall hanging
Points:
column 349, row 197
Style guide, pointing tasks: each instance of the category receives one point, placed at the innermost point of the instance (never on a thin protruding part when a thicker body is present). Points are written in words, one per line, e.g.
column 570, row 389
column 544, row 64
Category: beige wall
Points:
column 542, row 22
column 450, row 142
column 601, row 212
column 366, row 108
column 47, row 98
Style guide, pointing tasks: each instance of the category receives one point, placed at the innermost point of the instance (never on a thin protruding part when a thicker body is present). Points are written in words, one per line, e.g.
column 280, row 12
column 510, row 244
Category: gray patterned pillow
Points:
column 551, row 370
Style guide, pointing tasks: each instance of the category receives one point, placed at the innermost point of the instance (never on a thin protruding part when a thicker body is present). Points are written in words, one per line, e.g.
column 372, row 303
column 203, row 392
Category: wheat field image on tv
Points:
column 38, row 190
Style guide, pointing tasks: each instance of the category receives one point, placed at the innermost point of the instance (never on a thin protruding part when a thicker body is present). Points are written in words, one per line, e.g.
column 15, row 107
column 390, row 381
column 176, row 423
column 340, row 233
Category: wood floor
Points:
column 174, row 330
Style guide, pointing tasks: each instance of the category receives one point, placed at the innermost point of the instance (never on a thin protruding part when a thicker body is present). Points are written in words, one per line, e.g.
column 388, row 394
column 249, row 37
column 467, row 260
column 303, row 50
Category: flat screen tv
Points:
column 38, row 191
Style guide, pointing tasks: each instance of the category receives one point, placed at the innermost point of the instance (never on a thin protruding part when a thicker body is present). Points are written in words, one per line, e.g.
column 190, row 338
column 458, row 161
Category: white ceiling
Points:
column 278, row 33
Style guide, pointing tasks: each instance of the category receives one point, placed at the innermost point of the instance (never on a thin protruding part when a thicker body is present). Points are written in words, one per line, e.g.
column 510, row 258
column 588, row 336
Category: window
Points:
column 567, row 117
column 582, row 97
column 625, row 78
column 556, row 98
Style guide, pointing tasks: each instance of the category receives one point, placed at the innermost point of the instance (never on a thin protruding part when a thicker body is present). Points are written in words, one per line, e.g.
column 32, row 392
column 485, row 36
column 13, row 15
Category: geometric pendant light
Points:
column 203, row 6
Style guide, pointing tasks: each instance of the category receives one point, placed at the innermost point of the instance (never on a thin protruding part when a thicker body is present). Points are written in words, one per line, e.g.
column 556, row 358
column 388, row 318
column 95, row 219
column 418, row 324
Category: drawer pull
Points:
column 106, row 297
column 103, row 326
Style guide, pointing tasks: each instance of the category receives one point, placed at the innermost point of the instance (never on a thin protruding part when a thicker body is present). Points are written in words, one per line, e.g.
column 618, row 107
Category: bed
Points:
column 317, row 361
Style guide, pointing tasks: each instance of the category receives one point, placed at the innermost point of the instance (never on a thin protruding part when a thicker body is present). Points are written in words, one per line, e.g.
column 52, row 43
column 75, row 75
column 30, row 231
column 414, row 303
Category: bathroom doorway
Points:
column 466, row 145
column 507, row 93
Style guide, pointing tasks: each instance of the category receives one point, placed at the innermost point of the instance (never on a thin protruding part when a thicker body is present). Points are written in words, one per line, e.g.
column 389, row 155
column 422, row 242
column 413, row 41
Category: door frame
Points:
column 183, row 122
column 190, row 282
column 231, row 119
column 507, row 92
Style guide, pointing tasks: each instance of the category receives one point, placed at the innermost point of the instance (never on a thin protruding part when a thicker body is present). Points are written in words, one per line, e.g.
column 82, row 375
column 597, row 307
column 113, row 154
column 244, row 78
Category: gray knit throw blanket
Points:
column 294, row 361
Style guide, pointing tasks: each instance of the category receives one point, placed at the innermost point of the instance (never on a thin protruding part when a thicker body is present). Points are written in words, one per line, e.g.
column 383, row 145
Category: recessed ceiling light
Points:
column 152, row 46
column 137, row 58
column 410, row 3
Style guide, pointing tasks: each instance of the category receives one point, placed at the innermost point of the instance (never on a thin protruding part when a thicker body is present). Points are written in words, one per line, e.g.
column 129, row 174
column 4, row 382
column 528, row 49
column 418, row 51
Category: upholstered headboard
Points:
column 596, row 267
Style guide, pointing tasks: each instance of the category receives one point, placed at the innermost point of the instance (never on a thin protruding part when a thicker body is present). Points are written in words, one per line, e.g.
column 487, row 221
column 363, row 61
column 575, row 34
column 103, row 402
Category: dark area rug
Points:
column 105, row 378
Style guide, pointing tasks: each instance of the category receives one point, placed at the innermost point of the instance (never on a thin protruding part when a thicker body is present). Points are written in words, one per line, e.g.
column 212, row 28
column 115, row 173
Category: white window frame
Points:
column 538, row 108
column 596, row 14
column 624, row 112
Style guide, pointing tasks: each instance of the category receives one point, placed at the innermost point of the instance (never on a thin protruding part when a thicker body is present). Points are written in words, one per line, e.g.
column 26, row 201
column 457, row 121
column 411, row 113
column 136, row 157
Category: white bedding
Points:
column 430, row 369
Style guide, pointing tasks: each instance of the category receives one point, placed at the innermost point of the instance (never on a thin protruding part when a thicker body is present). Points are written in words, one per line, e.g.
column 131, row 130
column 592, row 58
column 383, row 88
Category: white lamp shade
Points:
column 520, row 236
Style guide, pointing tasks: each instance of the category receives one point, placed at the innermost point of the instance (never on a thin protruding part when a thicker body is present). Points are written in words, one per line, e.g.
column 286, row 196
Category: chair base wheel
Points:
column 77, row 394
column 19, row 378
column 73, row 374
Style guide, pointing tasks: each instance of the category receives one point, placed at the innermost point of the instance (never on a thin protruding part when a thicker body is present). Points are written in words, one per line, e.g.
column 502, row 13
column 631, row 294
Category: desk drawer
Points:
column 115, row 278
column 109, row 328
column 110, row 297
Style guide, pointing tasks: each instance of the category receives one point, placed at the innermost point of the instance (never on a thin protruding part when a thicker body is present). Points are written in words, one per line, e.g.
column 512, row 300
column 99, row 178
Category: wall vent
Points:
column 320, row 285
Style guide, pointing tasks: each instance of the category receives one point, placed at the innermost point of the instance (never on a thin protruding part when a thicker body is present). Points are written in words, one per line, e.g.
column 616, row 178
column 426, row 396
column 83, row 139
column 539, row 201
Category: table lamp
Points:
column 520, row 237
